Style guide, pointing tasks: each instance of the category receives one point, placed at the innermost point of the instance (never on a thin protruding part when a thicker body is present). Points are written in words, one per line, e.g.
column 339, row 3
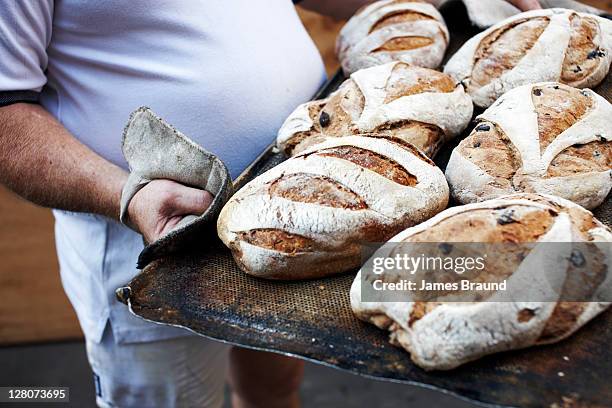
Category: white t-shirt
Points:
column 224, row 72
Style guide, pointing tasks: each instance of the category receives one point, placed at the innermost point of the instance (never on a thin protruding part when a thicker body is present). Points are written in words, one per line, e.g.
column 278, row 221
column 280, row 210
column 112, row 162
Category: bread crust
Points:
column 413, row 32
column 372, row 200
column 562, row 45
column 544, row 138
column 443, row 335
column 419, row 105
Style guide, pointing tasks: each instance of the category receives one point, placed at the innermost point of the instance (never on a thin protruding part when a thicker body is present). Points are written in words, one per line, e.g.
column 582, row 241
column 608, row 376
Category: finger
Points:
column 526, row 4
column 168, row 226
column 190, row 200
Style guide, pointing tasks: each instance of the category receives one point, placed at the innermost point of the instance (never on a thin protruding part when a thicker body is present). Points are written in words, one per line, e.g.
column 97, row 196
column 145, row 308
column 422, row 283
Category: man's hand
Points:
column 526, row 4
column 41, row 161
column 162, row 204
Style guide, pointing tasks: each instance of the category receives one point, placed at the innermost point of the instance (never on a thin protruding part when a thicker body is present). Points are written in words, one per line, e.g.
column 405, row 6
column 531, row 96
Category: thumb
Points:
column 190, row 200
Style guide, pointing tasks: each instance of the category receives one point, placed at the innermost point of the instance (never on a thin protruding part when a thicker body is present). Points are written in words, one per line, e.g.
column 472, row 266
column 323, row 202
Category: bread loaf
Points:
column 545, row 45
column 441, row 335
column 393, row 30
column 418, row 105
column 544, row 138
column 307, row 217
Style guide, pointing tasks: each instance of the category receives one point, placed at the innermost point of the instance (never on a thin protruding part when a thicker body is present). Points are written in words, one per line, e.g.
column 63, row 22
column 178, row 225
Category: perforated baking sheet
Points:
column 205, row 291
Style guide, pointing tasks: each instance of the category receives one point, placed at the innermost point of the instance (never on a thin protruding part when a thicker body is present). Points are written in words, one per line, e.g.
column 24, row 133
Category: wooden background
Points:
column 33, row 306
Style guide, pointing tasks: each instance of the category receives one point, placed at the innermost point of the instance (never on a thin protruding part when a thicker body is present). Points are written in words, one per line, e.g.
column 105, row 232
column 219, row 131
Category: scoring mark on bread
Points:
column 399, row 17
column 399, row 142
column 278, row 240
column 405, row 43
column 584, row 158
column 309, row 188
column 578, row 63
column 526, row 225
column 406, row 80
column 297, row 140
column 563, row 318
column 501, row 50
column 483, row 225
column 431, row 135
column 370, row 160
column 584, row 276
column 527, row 228
column 558, row 108
column 490, row 149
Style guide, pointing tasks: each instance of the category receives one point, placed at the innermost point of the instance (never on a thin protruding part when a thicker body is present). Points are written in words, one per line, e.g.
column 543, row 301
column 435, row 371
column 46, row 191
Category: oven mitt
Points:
column 155, row 150
column 484, row 14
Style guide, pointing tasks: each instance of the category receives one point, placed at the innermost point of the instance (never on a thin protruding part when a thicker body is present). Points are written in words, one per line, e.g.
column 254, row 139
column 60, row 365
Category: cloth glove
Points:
column 155, row 150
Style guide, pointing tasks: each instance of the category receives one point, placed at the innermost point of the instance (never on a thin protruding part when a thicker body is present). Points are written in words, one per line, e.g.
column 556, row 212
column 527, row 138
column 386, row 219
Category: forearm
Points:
column 338, row 9
column 344, row 9
column 42, row 162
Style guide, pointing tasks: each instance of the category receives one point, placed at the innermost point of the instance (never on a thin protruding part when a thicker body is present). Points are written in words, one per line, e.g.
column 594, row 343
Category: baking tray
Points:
column 205, row 291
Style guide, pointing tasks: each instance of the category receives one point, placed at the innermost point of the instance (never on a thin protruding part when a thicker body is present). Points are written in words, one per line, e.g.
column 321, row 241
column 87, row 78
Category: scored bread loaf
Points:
column 393, row 30
column 307, row 217
column 419, row 105
column 442, row 334
column 542, row 138
column 544, row 45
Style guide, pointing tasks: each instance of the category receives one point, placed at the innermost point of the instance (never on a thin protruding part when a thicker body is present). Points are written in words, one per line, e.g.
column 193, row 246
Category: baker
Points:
column 226, row 73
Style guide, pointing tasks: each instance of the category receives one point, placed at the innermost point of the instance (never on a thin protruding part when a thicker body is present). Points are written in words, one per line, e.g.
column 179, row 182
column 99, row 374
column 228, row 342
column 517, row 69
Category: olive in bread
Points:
column 419, row 105
column 410, row 31
column 441, row 334
column 308, row 216
column 543, row 138
column 544, row 45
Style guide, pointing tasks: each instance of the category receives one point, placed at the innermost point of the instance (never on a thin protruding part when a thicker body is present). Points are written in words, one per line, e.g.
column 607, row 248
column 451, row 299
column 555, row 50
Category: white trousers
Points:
column 180, row 372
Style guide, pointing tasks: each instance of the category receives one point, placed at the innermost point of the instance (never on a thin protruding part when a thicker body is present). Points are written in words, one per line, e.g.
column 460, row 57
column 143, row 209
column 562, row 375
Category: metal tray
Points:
column 206, row 292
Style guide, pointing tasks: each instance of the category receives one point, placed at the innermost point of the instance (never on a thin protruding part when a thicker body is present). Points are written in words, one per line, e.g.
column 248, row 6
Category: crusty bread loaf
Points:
column 544, row 138
column 544, row 45
column 441, row 335
column 307, row 217
column 410, row 31
column 418, row 105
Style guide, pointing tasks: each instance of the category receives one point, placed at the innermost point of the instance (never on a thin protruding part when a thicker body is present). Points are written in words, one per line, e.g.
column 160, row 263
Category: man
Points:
column 226, row 73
